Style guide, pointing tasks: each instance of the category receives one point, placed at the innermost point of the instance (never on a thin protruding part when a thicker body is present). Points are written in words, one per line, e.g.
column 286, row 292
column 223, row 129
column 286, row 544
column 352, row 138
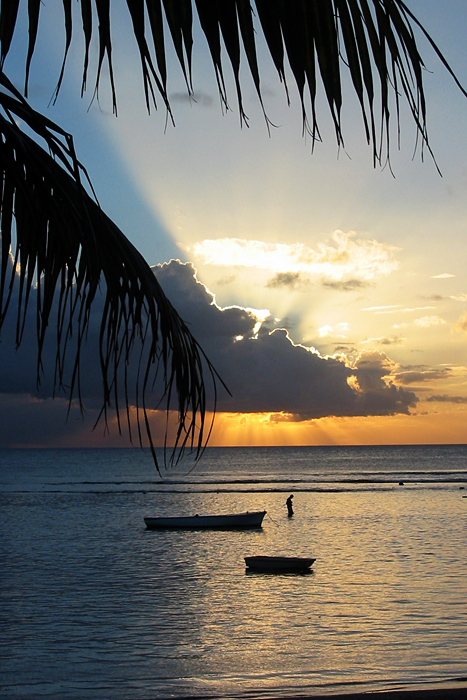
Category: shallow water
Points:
column 93, row 605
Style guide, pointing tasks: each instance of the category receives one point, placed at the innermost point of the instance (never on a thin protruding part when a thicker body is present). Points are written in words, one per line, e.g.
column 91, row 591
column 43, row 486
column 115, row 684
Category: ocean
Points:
column 94, row 605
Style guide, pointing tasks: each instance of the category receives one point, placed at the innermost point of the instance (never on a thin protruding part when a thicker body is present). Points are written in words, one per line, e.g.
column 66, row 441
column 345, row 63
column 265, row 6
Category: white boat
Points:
column 213, row 522
column 279, row 564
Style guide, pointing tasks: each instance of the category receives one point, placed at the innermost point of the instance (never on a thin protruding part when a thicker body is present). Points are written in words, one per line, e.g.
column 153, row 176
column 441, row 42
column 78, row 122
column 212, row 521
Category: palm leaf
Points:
column 63, row 242
column 319, row 37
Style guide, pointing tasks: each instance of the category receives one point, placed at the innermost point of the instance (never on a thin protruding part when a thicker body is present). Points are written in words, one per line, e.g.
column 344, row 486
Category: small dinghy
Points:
column 209, row 522
column 279, row 564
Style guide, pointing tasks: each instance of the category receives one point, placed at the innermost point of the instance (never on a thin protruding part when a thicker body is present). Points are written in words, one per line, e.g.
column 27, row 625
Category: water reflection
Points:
column 95, row 602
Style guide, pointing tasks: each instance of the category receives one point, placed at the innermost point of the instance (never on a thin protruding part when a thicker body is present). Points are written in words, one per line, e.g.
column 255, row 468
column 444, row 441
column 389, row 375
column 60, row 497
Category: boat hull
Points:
column 279, row 564
column 208, row 522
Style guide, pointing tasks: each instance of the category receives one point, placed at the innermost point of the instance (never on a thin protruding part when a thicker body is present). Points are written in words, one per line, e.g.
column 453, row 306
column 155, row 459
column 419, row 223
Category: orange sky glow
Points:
column 446, row 426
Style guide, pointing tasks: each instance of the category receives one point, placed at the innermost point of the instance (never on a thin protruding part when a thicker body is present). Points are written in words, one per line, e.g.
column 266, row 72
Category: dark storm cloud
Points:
column 376, row 396
column 264, row 370
column 30, row 421
column 34, row 409
column 18, row 366
column 268, row 372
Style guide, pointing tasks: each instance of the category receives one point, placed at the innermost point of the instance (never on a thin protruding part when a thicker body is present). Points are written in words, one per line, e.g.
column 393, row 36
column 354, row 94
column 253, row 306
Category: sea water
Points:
column 94, row 605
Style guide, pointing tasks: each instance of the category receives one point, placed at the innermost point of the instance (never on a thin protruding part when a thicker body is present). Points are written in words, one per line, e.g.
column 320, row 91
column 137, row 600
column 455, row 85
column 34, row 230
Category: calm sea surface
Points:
column 93, row 605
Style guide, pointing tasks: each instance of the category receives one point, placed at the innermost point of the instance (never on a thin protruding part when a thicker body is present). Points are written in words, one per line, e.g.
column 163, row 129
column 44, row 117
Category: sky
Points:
column 330, row 295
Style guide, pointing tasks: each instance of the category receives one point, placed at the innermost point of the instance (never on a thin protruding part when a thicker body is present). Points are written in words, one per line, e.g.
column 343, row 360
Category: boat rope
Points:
column 274, row 521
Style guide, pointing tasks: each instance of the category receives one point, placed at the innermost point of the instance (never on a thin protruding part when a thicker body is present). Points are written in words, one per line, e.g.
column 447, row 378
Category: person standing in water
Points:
column 289, row 505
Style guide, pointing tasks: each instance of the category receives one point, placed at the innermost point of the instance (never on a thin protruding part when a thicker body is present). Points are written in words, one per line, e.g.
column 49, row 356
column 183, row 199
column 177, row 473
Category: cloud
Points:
column 297, row 281
column 429, row 321
column 31, row 421
column 444, row 398
column 33, row 413
column 356, row 260
column 345, row 348
column 345, row 285
column 225, row 281
column 267, row 372
column 422, row 374
column 377, row 396
column 337, row 331
column 291, row 280
column 381, row 308
column 395, row 309
column 442, row 276
column 461, row 324
column 263, row 368
column 459, row 297
column 391, row 340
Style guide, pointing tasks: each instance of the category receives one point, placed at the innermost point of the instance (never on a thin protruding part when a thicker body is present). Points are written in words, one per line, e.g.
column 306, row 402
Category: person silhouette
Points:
column 288, row 503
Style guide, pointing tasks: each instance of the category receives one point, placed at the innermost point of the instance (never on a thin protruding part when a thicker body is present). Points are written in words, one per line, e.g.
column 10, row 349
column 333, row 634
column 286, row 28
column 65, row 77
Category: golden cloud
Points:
column 347, row 258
